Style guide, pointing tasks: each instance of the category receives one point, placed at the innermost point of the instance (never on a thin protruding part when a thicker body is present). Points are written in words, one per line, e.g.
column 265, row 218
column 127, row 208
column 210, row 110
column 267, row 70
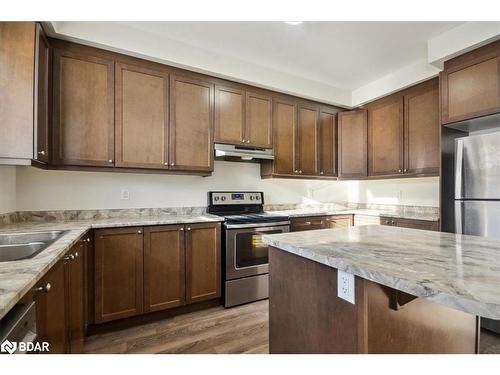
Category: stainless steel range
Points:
column 245, row 257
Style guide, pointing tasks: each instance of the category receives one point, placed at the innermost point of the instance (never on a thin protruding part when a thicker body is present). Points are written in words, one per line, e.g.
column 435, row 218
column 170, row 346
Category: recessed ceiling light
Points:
column 293, row 23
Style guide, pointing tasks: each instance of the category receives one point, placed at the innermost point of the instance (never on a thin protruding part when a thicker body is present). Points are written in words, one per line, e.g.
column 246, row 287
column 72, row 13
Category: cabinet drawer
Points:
column 410, row 223
column 307, row 223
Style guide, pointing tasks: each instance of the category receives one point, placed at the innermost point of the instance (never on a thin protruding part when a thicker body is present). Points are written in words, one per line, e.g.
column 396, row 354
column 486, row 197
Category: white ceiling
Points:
column 345, row 55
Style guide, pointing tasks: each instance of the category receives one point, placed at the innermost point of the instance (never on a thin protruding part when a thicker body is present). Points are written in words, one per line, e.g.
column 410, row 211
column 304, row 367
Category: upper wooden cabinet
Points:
column 470, row 84
column 352, row 127
column 41, row 112
column 307, row 140
column 327, row 142
column 385, row 136
column 422, row 150
column 259, row 130
column 242, row 117
column 229, row 115
column 141, row 117
column 17, row 57
column 191, row 124
column 285, row 124
column 83, row 111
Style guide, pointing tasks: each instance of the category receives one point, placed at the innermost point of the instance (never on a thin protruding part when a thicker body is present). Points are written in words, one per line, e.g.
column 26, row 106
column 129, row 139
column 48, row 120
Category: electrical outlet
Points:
column 125, row 195
column 345, row 286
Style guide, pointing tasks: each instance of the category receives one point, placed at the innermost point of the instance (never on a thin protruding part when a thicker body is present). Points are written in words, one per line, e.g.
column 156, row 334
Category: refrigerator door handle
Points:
column 458, row 217
column 459, row 158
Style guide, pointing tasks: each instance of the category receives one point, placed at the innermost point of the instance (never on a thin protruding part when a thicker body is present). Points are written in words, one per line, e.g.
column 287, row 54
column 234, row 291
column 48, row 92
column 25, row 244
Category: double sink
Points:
column 18, row 246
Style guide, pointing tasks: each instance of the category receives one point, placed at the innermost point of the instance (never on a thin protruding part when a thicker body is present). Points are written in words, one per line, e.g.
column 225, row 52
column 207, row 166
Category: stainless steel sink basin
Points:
column 17, row 246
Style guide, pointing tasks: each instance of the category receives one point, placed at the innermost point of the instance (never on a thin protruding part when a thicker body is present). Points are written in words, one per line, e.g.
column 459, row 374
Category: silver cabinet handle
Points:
column 387, row 222
column 41, row 152
column 46, row 288
column 76, row 254
column 88, row 239
column 69, row 257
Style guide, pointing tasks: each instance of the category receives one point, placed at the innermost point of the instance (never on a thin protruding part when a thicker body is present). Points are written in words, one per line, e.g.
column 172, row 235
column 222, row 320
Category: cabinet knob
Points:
column 110, row 160
column 300, row 172
column 139, row 232
column 182, row 229
column 76, row 254
column 41, row 152
column 296, row 171
column 243, row 141
column 405, row 170
column 172, row 164
column 46, row 288
column 165, row 163
column 188, row 228
column 399, row 170
column 248, row 141
column 69, row 257
column 321, row 173
column 387, row 222
column 88, row 239
column 393, row 223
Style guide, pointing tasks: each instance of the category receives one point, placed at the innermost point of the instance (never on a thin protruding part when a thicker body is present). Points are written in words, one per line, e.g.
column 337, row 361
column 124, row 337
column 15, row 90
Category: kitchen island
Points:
column 415, row 291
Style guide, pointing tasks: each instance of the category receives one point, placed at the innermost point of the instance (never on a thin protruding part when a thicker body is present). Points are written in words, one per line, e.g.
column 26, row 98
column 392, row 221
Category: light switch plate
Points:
column 345, row 286
column 125, row 195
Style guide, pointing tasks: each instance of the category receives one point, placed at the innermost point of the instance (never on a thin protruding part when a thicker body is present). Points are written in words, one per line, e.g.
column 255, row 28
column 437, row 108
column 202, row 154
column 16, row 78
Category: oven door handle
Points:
column 267, row 226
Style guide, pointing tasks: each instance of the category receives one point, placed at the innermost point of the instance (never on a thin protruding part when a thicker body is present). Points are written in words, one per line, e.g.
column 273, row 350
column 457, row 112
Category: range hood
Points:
column 245, row 153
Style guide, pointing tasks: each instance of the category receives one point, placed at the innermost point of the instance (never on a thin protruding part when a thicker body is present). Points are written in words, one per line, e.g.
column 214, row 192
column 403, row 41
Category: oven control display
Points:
column 238, row 196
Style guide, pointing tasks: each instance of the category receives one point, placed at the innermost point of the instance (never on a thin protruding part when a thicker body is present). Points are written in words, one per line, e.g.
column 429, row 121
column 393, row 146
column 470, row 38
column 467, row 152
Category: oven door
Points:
column 246, row 254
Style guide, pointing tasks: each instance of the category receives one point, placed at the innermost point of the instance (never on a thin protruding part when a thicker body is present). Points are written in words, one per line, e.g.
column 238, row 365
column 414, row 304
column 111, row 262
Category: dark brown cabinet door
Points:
column 385, row 137
column 191, row 124
column 307, row 140
column 259, row 131
column 327, row 143
column 83, row 109
column 470, row 84
column 352, row 144
column 285, row 123
column 51, row 316
column 421, row 129
column 118, row 273
column 141, row 114
column 75, row 264
column 203, row 279
column 299, row 224
column 17, row 51
column 41, row 126
column 229, row 115
column 164, row 267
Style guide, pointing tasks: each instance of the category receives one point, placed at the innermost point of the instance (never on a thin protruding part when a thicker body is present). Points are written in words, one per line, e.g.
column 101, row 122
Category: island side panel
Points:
column 306, row 316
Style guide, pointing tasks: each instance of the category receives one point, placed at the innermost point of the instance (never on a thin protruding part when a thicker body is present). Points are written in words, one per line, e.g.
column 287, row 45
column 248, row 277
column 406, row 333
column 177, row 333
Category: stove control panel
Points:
column 227, row 198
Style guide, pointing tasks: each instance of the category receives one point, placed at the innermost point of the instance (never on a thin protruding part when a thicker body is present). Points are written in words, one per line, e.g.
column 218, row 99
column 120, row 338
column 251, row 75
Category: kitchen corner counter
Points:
column 18, row 277
column 458, row 271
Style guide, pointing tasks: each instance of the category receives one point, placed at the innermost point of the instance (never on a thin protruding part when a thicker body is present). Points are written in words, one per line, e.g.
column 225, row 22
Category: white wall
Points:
column 56, row 190
column 7, row 189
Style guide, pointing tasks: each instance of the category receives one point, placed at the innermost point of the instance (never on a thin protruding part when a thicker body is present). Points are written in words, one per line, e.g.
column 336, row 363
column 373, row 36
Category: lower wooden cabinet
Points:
column 164, row 267
column 410, row 223
column 59, row 300
column 146, row 269
column 118, row 275
column 203, row 279
column 298, row 224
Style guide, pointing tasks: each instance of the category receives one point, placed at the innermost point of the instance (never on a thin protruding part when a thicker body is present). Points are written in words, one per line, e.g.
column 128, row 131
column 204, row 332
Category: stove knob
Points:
column 257, row 197
column 251, row 197
column 216, row 199
column 222, row 198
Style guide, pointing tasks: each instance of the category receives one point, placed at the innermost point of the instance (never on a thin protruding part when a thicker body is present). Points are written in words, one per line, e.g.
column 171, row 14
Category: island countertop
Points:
column 459, row 271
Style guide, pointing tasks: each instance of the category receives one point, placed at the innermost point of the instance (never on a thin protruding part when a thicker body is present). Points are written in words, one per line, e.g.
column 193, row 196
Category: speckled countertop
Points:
column 18, row 277
column 462, row 272
column 304, row 212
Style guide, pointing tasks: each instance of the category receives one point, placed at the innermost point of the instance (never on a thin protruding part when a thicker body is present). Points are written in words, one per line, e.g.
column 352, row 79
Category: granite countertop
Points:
column 462, row 272
column 304, row 212
column 18, row 277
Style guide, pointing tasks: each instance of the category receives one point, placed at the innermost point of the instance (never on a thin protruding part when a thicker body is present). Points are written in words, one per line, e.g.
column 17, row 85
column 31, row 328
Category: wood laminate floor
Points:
column 241, row 329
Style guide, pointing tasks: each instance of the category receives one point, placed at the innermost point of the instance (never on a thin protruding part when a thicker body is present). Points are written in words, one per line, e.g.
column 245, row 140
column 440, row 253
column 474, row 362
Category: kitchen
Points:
column 153, row 206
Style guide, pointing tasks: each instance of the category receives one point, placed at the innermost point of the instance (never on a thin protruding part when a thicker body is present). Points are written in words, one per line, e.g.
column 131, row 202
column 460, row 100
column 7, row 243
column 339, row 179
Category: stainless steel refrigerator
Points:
column 477, row 190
